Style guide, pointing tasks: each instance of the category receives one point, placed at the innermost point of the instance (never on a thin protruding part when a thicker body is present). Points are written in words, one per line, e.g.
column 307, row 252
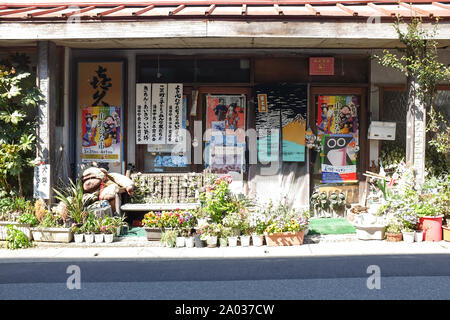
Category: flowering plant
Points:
column 258, row 221
column 283, row 219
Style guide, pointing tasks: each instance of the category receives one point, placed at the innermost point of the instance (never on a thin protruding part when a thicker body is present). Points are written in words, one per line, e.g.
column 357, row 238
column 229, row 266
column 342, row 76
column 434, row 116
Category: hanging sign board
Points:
column 158, row 113
column 41, row 182
column 143, row 115
column 321, row 66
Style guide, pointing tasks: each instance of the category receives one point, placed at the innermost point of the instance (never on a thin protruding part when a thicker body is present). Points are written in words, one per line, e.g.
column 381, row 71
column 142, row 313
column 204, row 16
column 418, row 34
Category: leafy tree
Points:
column 19, row 96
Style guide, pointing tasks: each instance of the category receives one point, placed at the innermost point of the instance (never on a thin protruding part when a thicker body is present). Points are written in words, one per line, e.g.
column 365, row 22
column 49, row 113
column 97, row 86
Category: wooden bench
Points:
column 164, row 191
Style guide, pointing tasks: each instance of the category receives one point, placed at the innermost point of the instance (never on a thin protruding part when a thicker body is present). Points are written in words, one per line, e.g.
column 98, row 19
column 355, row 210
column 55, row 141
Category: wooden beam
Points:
column 40, row 13
column 417, row 10
column 104, row 13
column 139, row 12
column 65, row 15
column 278, row 9
column 347, row 9
column 312, row 9
column 210, row 9
column 244, row 10
column 441, row 5
column 177, row 9
column 382, row 10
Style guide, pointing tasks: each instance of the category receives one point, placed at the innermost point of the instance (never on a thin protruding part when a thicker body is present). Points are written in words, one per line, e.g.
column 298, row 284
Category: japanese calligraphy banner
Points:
column 101, row 134
column 158, row 113
column 41, row 181
column 143, row 114
column 175, row 114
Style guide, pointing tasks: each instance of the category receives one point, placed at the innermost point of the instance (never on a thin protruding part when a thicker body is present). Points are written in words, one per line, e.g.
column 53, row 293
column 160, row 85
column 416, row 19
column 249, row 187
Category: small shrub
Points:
column 16, row 239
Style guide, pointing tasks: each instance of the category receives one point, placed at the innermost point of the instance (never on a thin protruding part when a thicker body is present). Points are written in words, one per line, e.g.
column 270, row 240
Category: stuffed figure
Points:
column 99, row 185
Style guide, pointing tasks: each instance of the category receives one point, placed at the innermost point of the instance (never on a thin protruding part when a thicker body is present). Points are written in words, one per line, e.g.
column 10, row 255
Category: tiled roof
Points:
column 52, row 10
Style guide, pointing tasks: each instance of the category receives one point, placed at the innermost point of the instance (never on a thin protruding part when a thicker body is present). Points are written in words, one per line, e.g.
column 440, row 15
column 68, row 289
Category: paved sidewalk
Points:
column 140, row 248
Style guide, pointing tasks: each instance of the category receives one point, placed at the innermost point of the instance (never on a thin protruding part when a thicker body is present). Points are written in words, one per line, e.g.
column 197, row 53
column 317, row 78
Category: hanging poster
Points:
column 158, row 113
column 337, row 114
column 225, row 124
column 101, row 134
column 143, row 115
column 294, row 105
column 100, row 93
column 41, row 181
column 176, row 119
column 338, row 158
column 267, row 123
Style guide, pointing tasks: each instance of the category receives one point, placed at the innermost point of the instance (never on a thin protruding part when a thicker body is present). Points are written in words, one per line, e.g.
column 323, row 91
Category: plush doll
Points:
column 99, row 185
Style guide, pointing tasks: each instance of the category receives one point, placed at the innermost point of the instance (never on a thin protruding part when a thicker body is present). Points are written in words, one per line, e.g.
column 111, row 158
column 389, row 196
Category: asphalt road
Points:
column 338, row 277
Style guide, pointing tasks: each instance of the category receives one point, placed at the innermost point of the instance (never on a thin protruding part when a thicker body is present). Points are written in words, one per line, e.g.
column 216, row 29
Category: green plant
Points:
column 16, row 239
column 19, row 96
column 394, row 226
column 218, row 200
column 89, row 225
column 169, row 238
column 73, row 200
column 49, row 221
column 28, row 218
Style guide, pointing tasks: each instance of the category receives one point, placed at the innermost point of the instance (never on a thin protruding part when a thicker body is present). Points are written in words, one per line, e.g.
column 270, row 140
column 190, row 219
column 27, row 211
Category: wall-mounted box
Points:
column 379, row 130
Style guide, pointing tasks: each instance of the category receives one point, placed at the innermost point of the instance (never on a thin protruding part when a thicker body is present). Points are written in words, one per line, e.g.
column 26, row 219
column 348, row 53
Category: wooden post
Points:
column 46, row 69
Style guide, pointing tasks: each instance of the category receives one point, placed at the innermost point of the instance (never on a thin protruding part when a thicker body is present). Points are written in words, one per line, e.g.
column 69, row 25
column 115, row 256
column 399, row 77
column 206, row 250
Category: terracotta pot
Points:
column 285, row 239
column 394, row 237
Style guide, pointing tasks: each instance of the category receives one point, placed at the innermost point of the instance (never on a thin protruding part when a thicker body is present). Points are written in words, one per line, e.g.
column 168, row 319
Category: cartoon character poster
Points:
column 337, row 114
column 339, row 157
column 101, row 134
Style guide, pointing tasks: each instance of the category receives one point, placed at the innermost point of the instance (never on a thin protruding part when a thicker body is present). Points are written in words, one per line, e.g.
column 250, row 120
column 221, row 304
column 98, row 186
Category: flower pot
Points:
column 211, row 242
column 118, row 231
column 285, row 239
column 431, row 227
column 78, row 237
column 189, row 242
column 257, row 240
column 108, row 237
column 408, row 236
column 153, row 234
column 89, row 237
column 180, row 242
column 232, row 241
column 446, row 232
column 223, row 242
column 25, row 228
column 199, row 243
column 52, row 234
column 98, row 237
column 418, row 236
column 245, row 241
column 394, row 237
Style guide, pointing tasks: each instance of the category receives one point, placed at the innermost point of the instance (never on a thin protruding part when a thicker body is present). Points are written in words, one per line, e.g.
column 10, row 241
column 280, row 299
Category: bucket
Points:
column 432, row 228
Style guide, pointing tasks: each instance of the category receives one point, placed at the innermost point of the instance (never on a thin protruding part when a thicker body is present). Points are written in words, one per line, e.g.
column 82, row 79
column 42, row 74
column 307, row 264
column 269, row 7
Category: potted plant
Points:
column 430, row 220
column 246, row 232
column 153, row 225
column 394, row 231
column 286, row 227
column 409, row 220
column 181, row 239
column 199, row 238
column 118, row 224
column 211, row 232
column 233, row 221
column 257, row 220
column 224, row 234
column 169, row 238
column 51, row 229
column 108, row 229
column 77, row 234
column 88, row 228
column 19, row 212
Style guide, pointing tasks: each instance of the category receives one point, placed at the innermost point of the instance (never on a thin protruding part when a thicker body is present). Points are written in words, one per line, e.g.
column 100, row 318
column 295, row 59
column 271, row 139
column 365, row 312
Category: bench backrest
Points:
column 167, row 187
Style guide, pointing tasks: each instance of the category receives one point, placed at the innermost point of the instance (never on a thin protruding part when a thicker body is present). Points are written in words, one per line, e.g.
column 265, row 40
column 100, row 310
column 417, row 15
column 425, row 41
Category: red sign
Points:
column 321, row 66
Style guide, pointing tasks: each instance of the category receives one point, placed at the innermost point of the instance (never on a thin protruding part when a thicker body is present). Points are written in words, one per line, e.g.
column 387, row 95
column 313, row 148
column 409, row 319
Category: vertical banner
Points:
column 41, row 181
column 143, row 115
column 101, row 134
column 267, row 124
column 158, row 113
column 338, row 158
column 175, row 119
column 225, row 125
column 100, row 93
column 294, row 106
